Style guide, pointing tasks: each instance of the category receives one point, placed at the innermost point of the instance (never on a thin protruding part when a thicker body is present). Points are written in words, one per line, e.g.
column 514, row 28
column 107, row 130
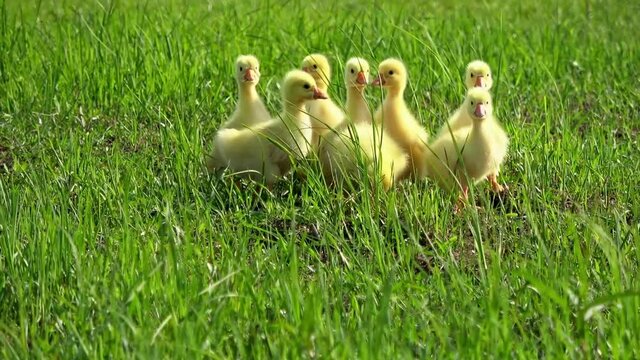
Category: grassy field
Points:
column 114, row 241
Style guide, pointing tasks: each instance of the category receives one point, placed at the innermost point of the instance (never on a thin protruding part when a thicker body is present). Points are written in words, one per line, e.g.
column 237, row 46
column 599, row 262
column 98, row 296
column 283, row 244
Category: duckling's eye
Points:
column 307, row 86
column 315, row 66
column 488, row 75
column 240, row 68
column 390, row 72
column 487, row 103
column 471, row 74
column 472, row 103
column 353, row 71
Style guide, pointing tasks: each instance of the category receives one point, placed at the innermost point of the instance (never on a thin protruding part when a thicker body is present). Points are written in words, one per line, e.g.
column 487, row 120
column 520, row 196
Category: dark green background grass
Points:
column 114, row 242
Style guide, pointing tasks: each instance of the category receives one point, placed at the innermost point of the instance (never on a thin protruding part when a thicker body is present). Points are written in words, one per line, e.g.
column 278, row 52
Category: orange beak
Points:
column 480, row 111
column 378, row 81
column 361, row 79
column 318, row 94
column 248, row 75
column 479, row 81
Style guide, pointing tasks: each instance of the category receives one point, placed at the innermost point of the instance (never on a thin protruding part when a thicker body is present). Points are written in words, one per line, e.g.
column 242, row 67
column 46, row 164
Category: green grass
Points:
column 114, row 242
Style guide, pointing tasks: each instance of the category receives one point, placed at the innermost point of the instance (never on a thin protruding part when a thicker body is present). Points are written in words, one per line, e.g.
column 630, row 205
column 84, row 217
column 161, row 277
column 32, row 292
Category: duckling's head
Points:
column 299, row 86
column 391, row 74
column 356, row 74
column 318, row 66
column 478, row 74
column 247, row 70
column 478, row 103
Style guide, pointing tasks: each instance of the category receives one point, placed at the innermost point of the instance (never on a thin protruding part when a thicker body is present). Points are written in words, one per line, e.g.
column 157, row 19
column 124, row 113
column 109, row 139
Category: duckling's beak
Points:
column 318, row 94
column 378, row 81
column 361, row 79
column 248, row 75
column 306, row 69
column 479, row 81
column 480, row 111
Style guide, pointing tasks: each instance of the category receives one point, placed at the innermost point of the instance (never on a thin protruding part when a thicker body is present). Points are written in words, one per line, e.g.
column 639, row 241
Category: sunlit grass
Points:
column 114, row 242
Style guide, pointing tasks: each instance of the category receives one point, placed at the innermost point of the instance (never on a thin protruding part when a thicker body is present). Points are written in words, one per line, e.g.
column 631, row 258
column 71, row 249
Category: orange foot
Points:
column 493, row 179
column 462, row 200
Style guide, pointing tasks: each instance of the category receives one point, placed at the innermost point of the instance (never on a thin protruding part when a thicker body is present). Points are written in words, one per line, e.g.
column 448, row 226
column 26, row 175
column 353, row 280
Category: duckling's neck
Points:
column 394, row 99
column 247, row 95
column 295, row 112
column 357, row 105
column 394, row 93
column 480, row 127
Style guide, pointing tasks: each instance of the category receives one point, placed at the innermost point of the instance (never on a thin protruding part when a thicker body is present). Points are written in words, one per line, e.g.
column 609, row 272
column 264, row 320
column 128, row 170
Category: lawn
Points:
column 115, row 242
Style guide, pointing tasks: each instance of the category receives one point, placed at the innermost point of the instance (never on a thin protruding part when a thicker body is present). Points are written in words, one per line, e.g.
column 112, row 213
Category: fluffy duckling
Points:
column 397, row 120
column 472, row 152
column 477, row 74
column 342, row 152
column 250, row 109
column 356, row 79
column 325, row 114
column 264, row 151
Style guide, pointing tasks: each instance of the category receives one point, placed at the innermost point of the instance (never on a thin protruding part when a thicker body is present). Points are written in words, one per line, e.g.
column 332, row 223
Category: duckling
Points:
column 325, row 115
column 264, row 151
column 477, row 74
column 250, row 109
column 397, row 120
column 356, row 141
column 356, row 79
column 472, row 152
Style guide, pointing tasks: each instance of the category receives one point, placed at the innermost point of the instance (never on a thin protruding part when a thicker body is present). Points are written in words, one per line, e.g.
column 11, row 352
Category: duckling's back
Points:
column 443, row 157
column 247, row 116
column 358, row 145
column 458, row 120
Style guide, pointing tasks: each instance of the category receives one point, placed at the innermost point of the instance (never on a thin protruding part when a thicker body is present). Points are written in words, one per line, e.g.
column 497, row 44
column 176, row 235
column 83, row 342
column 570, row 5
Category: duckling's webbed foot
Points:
column 493, row 179
column 462, row 200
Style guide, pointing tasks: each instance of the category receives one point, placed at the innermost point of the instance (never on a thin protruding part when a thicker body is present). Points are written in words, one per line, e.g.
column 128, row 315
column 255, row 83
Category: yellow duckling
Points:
column 265, row 151
column 325, row 114
column 477, row 74
column 357, row 141
column 356, row 79
column 250, row 109
column 397, row 120
column 472, row 152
